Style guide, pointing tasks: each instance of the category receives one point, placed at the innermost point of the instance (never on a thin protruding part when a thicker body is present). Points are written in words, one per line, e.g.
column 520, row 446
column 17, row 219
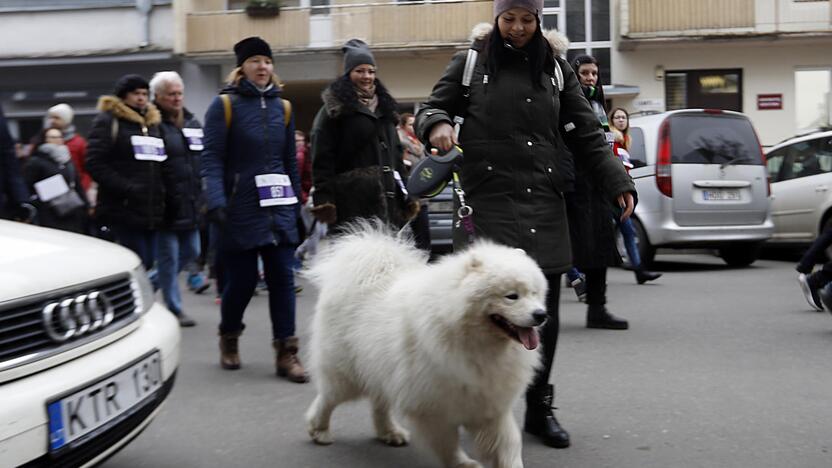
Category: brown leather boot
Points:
column 286, row 360
column 229, row 351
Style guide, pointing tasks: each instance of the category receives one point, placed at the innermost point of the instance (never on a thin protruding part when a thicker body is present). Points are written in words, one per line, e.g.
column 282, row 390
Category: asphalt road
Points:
column 721, row 368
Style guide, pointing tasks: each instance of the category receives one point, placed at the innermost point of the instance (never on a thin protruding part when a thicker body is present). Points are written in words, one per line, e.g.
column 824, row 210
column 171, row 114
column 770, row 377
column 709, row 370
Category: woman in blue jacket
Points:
column 252, row 185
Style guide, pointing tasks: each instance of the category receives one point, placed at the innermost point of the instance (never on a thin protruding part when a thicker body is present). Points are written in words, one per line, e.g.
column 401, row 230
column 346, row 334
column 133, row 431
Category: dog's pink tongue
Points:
column 529, row 338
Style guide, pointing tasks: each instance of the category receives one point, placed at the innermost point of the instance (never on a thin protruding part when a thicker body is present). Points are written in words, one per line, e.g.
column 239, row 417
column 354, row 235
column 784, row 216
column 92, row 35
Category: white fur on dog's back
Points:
column 370, row 250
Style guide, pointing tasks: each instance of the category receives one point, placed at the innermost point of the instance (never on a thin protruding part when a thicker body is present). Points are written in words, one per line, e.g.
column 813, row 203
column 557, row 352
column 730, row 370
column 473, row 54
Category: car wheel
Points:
column 645, row 250
column 740, row 255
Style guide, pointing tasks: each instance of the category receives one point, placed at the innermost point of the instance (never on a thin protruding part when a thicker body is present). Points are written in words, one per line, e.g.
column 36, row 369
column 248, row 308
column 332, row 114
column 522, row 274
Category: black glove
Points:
column 24, row 212
column 217, row 215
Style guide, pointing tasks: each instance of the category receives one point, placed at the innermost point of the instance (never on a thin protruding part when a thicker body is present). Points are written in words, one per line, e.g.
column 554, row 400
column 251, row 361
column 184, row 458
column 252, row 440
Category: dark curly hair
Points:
column 344, row 90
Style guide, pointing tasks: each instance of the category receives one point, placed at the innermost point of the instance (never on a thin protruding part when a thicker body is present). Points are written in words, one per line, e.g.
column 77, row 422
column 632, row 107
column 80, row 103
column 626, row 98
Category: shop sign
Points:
column 769, row 102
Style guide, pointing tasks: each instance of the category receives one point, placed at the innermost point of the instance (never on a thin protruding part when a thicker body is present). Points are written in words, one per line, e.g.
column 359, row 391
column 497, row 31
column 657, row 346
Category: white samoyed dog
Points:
column 445, row 345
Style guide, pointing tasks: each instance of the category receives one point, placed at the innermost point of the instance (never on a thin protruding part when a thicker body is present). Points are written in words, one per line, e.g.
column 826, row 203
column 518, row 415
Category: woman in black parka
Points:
column 524, row 109
column 357, row 166
column 125, row 156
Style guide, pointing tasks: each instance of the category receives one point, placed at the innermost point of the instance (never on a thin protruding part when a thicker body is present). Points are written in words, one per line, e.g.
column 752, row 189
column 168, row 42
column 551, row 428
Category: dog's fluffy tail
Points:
column 366, row 256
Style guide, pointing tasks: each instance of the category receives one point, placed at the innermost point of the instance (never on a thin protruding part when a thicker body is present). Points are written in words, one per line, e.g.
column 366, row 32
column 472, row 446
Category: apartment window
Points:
column 588, row 28
column 552, row 15
column 705, row 89
column 813, row 103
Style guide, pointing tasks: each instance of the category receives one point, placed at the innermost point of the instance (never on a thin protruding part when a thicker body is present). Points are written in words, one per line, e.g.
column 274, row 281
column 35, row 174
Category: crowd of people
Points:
column 243, row 190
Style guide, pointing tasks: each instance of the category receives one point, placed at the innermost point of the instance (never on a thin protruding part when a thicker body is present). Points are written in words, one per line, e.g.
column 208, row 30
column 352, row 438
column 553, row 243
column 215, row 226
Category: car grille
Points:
column 23, row 331
column 77, row 455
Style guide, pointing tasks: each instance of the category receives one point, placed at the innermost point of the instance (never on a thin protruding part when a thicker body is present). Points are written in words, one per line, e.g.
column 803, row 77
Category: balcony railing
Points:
column 657, row 19
column 406, row 24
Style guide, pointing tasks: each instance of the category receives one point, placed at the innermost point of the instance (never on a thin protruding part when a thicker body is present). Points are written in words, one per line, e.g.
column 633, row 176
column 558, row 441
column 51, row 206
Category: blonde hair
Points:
column 237, row 74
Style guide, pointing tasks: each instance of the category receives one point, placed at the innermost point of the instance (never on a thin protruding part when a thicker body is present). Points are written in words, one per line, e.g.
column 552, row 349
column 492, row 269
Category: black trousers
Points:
column 549, row 333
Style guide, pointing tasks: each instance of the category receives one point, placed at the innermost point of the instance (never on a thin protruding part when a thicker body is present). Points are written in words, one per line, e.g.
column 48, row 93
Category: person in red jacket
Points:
column 60, row 116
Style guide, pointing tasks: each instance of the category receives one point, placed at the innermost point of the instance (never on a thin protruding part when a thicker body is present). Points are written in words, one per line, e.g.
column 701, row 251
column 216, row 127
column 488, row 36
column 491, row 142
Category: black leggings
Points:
column 549, row 333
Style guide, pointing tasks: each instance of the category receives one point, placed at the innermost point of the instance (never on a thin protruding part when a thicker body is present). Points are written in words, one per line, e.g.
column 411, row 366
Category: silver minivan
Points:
column 702, row 183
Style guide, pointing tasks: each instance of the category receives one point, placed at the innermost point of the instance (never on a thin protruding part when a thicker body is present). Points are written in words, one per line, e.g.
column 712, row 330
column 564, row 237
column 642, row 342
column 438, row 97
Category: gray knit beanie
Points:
column 535, row 7
column 356, row 52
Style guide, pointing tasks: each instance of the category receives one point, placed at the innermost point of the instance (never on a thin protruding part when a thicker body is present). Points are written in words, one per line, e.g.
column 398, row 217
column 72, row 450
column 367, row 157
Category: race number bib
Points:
column 275, row 189
column 194, row 137
column 147, row 148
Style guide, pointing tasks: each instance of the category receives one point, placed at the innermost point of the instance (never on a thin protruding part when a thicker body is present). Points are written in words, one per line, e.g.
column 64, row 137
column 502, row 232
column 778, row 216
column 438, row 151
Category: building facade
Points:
column 73, row 51
column 767, row 58
column 770, row 59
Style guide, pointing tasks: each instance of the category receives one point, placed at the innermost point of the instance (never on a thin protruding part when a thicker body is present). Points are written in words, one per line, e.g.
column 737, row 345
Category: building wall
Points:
column 66, row 32
column 768, row 68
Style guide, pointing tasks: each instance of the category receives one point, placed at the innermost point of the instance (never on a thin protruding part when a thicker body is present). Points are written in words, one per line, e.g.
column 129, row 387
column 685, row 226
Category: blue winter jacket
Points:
column 256, row 142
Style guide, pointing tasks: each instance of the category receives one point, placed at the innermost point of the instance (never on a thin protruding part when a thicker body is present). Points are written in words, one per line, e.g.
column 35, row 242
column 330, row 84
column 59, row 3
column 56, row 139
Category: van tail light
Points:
column 663, row 179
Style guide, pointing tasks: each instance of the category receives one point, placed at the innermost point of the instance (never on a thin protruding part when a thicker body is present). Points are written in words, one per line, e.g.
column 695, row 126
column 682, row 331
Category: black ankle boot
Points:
column 643, row 276
column 540, row 419
column 597, row 316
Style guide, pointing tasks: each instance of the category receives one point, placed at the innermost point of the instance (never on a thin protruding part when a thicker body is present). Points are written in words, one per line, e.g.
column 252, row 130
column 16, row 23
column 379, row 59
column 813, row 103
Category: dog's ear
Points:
column 474, row 262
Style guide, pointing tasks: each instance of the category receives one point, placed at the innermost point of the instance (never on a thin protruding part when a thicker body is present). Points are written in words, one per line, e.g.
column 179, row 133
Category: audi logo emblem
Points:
column 77, row 316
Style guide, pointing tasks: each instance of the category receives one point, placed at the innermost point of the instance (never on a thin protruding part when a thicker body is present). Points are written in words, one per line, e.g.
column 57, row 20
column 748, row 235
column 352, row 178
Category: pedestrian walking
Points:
column 357, row 165
column 14, row 197
column 60, row 116
column 126, row 158
column 55, row 184
column 414, row 151
column 523, row 107
column 252, row 185
column 814, row 284
column 588, row 209
column 179, row 241
column 620, row 119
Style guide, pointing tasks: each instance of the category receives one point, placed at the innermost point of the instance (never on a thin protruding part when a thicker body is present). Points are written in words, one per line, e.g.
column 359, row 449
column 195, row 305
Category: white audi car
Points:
column 86, row 355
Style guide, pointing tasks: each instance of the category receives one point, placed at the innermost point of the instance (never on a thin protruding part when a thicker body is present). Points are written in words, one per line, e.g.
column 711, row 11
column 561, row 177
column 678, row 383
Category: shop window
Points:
column 704, row 89
column 812, row 98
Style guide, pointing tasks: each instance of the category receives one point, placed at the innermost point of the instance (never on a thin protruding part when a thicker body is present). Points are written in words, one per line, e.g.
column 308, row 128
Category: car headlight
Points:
column 142, row 290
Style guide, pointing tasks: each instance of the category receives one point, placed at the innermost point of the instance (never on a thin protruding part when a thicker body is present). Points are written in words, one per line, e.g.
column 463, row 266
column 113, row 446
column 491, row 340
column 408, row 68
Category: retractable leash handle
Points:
column 430, row 175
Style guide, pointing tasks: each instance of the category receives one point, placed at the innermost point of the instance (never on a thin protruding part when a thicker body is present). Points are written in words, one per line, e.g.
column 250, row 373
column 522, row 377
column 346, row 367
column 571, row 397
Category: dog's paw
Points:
column 320, row 437
column 395, row 438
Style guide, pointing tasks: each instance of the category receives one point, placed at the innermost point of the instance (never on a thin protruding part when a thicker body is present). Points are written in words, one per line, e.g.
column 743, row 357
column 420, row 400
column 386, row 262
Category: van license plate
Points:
column 104, row 403
column 721, row 194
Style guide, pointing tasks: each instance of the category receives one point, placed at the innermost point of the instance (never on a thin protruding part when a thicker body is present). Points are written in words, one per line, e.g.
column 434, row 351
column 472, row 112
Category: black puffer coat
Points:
column 183, row 157
column 354, row 154
column 513, row 173
column 131, row 192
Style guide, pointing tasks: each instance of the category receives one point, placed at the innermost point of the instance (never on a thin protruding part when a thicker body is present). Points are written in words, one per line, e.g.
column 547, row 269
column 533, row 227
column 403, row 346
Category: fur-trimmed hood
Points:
column 120, row 110
column 558, row 41
column 340, row 98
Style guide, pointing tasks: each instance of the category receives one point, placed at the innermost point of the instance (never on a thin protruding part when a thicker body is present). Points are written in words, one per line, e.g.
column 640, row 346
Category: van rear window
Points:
column 713, row 139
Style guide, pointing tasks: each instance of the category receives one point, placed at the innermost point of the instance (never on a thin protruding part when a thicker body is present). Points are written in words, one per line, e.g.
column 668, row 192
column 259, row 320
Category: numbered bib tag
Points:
column 399, row 181
column 275, row 189
column 194, row 137
column 51, row 187
column 147, row 148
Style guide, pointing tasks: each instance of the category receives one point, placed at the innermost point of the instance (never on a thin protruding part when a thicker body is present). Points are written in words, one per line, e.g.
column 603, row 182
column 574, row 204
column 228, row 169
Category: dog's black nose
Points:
column 539, row 316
